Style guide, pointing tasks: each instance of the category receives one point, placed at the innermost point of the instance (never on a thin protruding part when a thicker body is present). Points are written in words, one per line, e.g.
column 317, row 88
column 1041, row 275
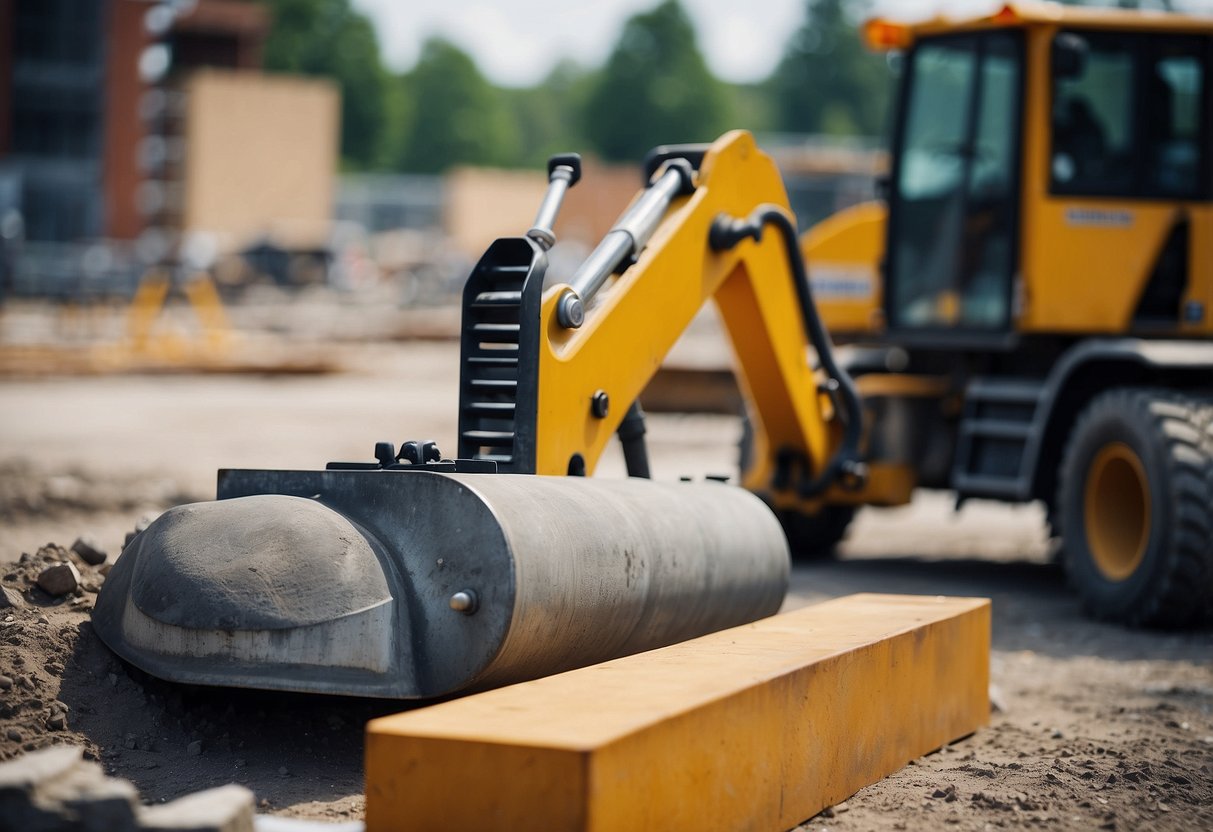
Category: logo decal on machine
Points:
column 1098, row 218
column 831, row 281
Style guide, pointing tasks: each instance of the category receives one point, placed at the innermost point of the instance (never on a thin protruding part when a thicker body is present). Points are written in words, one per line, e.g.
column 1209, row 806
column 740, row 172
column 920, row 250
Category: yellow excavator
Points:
column 1030, row 306
column 1022, row 340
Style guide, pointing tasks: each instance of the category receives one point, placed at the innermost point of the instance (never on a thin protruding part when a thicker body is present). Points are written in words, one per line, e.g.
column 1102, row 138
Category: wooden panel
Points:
column 757, row 727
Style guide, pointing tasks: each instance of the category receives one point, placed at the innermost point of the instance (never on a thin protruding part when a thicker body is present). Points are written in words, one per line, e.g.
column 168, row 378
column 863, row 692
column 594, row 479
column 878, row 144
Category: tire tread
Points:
column 1180, row 427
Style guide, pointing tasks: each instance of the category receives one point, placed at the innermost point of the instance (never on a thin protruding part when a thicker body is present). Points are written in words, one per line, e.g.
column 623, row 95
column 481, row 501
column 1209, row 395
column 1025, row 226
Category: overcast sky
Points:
column 516, row 42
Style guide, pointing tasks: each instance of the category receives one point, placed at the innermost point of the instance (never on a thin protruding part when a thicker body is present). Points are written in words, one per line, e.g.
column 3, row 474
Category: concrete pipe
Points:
column 413, row 584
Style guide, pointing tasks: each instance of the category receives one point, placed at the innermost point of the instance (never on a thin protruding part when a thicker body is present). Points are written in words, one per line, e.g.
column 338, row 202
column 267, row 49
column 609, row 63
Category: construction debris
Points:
column 225, row 809
column 56, row 788
column 89, row 551
column 11, row 598
column 60, row 579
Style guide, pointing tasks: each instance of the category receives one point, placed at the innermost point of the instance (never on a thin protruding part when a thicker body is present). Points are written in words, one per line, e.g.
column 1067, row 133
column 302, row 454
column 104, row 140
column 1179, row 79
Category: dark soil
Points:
column 299, row 754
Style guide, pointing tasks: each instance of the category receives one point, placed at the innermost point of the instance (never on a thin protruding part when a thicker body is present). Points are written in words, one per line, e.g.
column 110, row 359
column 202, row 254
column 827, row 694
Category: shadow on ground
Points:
column 1034, row 609
column 173, row 739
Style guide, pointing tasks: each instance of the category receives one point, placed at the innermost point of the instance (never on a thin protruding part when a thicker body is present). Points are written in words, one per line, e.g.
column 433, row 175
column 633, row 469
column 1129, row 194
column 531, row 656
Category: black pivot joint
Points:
column 572, row 161
column 726, row 231
column 419, row 453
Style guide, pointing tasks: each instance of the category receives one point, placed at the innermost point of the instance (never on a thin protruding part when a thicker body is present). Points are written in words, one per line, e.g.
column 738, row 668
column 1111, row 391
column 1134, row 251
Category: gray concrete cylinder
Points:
column 414, row 584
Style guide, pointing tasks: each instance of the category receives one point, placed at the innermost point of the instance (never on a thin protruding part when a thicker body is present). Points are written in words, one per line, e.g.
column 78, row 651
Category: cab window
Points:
column 1130, row 116
column 955, row 185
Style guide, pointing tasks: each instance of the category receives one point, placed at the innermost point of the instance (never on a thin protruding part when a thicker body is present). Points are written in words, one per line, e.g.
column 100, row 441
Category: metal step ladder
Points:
column 997, row 429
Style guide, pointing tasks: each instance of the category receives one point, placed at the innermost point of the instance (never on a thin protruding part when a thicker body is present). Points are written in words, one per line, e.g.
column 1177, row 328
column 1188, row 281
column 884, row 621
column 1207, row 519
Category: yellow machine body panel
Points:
column 842, row 254
column 632, row 324
column 1088, row 263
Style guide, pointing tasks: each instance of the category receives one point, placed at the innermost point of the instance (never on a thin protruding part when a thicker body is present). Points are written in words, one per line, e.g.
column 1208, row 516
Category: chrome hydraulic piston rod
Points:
column 564, row 171
column 626, row 239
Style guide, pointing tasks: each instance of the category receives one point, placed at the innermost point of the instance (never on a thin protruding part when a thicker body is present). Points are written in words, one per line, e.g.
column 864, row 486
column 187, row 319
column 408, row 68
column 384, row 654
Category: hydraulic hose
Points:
column 631, row 435
column 727, row 232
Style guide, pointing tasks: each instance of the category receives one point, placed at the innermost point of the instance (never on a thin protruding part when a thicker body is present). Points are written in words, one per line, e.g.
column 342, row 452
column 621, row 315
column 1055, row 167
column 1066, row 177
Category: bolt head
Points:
column 600, row 404
column 464, row 601
column 571, row 311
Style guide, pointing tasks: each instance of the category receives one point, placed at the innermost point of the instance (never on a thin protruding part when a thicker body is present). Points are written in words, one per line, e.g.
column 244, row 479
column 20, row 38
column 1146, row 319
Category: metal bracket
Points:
column 416, row 456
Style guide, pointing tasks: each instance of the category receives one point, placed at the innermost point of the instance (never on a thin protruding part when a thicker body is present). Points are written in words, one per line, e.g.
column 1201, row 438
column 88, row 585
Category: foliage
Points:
column 548, row 115
column 458, row 116
column 827, row 81
column 655, row 88
column 328, row 38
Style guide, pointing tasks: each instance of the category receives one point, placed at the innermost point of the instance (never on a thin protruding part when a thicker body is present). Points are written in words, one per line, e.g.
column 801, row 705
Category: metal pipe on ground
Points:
column 410, row 584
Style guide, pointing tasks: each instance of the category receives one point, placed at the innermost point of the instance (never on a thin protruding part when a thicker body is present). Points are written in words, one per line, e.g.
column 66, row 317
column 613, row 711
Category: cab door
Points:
column 954, row 195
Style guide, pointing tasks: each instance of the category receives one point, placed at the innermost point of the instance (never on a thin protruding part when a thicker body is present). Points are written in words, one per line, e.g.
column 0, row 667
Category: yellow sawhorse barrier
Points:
column 758, row 727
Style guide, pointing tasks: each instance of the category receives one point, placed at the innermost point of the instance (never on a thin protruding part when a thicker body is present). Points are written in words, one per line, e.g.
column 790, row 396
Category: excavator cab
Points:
column 1032, row 150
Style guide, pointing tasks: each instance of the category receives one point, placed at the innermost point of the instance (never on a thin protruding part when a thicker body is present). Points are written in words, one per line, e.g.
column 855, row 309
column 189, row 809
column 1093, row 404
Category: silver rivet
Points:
column 464, row 601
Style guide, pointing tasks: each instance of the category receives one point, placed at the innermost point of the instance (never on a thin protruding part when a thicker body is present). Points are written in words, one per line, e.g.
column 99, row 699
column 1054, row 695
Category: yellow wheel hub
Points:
column 1116, row 511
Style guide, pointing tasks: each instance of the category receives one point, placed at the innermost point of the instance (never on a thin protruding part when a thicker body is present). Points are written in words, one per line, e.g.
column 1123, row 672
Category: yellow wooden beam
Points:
column 757, row 727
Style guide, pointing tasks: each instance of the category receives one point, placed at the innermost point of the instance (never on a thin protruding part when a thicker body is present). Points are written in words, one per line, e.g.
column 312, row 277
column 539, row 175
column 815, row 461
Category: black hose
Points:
column 631, row 435
column 726, row 233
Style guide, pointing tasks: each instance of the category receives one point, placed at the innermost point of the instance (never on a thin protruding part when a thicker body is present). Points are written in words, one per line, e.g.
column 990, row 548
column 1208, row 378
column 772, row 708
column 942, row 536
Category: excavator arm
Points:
column 713, row 224
column 418, row 577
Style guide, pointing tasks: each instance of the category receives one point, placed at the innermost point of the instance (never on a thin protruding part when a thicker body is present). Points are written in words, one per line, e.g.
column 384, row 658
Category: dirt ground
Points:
column 1096, row 727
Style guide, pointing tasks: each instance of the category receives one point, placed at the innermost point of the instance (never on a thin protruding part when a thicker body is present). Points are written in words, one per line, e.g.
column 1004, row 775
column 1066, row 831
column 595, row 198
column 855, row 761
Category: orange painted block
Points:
column 757, row 727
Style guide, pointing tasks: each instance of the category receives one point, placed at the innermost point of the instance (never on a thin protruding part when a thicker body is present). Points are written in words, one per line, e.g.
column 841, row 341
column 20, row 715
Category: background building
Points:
column 125, row 124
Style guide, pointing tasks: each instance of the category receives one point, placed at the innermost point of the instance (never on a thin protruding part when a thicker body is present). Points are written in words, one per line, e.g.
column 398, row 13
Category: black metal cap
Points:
column 568, row 160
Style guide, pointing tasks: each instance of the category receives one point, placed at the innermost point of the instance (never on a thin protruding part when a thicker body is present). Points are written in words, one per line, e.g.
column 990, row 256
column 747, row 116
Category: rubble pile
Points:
column 54, row 575
column 57, row 789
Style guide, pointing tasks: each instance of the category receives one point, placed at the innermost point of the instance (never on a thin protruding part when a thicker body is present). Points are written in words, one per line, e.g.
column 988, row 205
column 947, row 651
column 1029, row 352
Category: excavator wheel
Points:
column 1135, row 508
column 814, row 536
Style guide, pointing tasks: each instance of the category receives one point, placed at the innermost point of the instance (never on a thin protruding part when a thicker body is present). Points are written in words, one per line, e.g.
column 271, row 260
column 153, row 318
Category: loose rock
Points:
column 55, row 787
column 60, row 579
column 11, row 598
column 51, row 553
column 89, row 552
column 225, row 809
column 5, row 683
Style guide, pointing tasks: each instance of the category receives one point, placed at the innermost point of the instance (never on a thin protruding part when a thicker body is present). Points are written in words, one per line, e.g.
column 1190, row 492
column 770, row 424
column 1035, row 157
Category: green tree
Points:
column 328, row 38
column 827, row 81
column 655, row 89
column 547, row 115
column 458, row 117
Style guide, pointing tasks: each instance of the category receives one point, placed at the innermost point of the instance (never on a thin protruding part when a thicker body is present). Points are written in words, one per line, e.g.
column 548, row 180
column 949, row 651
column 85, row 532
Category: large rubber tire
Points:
column 1135, row 508
column 815, row 536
